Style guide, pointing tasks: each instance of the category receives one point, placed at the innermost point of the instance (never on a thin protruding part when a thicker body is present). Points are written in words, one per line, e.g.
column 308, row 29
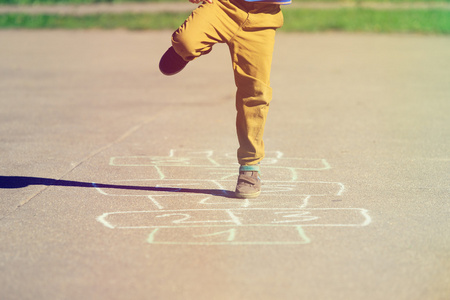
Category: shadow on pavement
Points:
column 17, row 182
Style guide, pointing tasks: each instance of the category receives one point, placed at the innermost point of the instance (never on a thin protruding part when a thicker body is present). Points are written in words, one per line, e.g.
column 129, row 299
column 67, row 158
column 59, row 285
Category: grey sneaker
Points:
column 171, row 63
column 248, row 185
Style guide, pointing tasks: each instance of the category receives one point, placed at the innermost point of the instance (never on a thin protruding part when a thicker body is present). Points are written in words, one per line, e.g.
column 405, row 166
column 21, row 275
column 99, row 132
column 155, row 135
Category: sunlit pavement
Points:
column 116, row 182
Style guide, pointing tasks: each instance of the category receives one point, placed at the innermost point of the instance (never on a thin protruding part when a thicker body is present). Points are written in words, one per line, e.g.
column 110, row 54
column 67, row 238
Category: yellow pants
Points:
column 249, row 31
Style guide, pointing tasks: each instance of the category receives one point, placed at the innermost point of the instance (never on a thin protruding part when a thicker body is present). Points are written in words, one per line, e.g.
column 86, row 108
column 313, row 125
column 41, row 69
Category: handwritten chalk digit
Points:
column 303, row 236
column 304, row 216
column 182, row 220
column 151, row 236
column 231, row 234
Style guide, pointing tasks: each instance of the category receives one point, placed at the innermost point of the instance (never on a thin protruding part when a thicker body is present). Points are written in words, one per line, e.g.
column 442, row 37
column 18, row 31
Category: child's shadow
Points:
column 16, row 182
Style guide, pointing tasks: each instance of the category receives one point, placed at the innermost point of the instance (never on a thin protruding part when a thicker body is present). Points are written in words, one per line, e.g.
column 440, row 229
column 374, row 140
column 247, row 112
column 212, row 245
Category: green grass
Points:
column 102, row 21
column 367, row 20
column 296, row 20
column 28, row 2
column 369, row 1
column 25, row 2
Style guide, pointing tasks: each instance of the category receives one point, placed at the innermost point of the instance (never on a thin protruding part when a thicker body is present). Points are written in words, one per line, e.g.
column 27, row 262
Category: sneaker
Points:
column 171, row 63
column 248, row 185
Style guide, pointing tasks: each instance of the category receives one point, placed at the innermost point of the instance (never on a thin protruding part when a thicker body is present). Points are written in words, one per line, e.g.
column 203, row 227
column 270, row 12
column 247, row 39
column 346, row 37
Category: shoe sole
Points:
column 171, row 73
column 168, row 60
column 247, row 196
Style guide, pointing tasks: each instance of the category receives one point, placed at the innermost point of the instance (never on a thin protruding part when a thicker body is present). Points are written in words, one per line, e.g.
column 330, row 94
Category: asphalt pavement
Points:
column 116, row 181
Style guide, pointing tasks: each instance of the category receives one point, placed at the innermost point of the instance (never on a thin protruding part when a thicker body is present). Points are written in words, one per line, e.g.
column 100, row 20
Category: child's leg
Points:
column 251, row 51
column 207, row 25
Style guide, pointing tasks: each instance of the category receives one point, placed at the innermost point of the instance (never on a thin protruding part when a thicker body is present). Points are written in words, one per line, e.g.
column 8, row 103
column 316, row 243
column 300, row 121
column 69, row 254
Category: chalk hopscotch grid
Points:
column 304, row 239
column 207, row 161
column 268, row 186
column 364, row 213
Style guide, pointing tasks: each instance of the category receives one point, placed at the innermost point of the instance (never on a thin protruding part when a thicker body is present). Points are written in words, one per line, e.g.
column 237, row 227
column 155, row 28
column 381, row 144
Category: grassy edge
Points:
column 296, row 20
column 31, row 2
column 145, row 21
column 368, row 20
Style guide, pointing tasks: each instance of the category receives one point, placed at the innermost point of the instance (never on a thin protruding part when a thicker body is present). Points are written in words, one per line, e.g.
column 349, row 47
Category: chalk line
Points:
column 234, row 219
